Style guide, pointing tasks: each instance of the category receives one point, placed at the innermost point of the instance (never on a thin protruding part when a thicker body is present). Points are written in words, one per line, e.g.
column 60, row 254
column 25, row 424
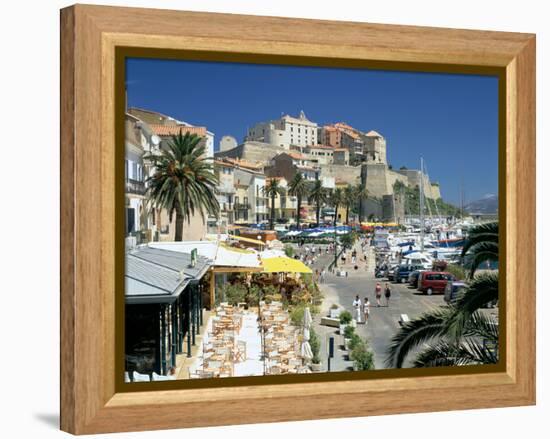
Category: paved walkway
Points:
column 384, row 321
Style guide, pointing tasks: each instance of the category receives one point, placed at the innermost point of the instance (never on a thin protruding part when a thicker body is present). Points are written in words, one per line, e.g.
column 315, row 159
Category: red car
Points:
column 434, row 281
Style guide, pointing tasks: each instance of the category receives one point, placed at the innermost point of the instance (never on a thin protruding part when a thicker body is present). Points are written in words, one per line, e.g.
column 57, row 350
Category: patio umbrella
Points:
column 283, row 264
column 307, row 318
column 306, row 334
column 305, row 351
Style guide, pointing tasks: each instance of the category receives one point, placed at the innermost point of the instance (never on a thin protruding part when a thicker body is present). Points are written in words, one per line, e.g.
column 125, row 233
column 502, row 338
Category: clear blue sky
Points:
column 451, row 120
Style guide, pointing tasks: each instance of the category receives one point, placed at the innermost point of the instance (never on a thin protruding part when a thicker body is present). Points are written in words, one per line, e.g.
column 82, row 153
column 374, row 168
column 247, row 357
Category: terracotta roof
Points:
column 296, row 155
column 173, row 130
column 344, row 128
column 340, row 149
column 373, row 133
column 223, row 163
column 244, row 163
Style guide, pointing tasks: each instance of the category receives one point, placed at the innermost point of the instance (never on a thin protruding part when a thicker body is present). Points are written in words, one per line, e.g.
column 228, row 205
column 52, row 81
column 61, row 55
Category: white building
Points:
column 288, row 130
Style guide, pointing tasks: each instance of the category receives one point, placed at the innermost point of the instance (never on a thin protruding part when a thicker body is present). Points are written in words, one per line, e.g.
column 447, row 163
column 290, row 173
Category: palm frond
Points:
column 481, row 252
column 443, row 353
column 427, row 327
column 482, row 290
column 487, row 232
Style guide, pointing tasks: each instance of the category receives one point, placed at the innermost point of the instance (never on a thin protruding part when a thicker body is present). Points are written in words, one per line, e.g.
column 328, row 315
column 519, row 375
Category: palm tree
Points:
column 349, row 199
column 298, row 187
column 457, row 334
column 183, row 181
column 271, row 190
column 336, row 198
column 318, row 195
column 361, row 192
column 481, row 245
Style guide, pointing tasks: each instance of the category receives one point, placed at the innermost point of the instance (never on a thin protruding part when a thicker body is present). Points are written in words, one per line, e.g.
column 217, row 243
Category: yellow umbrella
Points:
column 283, row 264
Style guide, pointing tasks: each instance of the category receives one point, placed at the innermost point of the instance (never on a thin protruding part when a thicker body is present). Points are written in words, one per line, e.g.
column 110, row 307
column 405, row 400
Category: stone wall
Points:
column 436, row 193
column 341, row 173
column 413, row 177
column 252, row 151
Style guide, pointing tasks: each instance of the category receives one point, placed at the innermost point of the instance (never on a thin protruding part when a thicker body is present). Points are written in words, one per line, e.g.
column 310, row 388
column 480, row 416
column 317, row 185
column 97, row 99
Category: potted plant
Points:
column 334, row 311
column 349, row 332
column 345, row 320
column 315, row 345
column 363, row 358
column 354, row 341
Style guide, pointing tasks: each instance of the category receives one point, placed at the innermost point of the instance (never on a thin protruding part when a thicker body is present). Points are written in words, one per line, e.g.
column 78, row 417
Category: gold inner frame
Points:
column 121, row 53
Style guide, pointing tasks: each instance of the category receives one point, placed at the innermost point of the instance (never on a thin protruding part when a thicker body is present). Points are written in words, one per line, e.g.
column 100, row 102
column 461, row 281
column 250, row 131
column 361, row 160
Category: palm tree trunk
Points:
column 298, row 207
column 272, row 216
column 318, row 212
column 347, row 215
column 179, row 226
column 360, row 209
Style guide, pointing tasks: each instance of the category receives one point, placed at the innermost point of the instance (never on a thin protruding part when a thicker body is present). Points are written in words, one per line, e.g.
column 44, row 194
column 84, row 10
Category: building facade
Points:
column 285, row 131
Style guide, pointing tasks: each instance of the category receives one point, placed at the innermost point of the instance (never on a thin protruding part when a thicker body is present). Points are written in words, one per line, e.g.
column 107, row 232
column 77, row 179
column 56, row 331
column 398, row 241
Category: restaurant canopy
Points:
column 159, row 276
column 218, row 253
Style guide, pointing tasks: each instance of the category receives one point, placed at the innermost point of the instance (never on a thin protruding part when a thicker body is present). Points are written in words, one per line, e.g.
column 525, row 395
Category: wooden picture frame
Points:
column 91, row 400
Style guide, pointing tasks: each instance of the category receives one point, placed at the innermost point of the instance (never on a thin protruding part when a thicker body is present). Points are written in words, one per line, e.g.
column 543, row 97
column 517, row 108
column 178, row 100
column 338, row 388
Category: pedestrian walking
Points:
column 323, row 273
column 387, row 293
column 366, row 309
column 378, row 293
column 357, row 308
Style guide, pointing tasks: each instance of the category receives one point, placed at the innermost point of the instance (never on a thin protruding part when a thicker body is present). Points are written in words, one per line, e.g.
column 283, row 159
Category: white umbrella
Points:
column 307, row 318
column 306, row 334
column 306, row 352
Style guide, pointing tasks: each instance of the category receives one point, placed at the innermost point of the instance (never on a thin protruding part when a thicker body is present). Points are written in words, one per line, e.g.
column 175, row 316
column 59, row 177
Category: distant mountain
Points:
column 486, row 205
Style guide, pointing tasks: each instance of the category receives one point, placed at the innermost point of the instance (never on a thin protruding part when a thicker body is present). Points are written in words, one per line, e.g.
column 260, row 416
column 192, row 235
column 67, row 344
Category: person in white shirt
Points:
column 357, row 307
column 366, row 309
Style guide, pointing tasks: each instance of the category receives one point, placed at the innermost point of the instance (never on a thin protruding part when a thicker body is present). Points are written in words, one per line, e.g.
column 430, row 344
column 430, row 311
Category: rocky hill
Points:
column 486, row 205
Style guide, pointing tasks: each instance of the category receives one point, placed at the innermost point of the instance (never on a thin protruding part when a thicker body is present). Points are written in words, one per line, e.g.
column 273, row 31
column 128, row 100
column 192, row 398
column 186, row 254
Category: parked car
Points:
column 390, row 275
column 452, row 290
column 430, row 282
column 413, row 277
column 403, row 271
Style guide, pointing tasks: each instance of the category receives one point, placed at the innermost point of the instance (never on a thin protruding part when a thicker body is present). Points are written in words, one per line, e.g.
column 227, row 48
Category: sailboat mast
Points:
column 421, row 204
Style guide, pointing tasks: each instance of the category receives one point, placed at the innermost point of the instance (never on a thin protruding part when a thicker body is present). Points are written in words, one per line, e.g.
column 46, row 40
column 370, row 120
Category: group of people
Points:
column 362, row 309
column 320, row 276
column 309, row 255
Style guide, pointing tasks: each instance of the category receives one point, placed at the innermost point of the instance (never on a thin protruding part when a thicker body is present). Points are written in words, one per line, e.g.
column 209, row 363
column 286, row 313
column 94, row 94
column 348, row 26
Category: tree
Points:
column 362, row 193
column 318, row 195
column 363, row 358
column 336, row 198
column 271, row 190
column 298, row 187
column 481, row 245
column 459, row 333
column 183, row 181
column 349, row 200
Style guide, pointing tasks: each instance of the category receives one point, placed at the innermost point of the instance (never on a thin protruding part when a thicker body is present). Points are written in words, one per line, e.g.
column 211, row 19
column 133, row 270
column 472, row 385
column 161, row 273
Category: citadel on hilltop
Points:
column 337, row 153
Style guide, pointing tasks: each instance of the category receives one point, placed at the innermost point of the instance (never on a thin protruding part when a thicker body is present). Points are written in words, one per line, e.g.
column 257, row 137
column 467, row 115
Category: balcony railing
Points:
column 135, row 187
column 241, row 206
